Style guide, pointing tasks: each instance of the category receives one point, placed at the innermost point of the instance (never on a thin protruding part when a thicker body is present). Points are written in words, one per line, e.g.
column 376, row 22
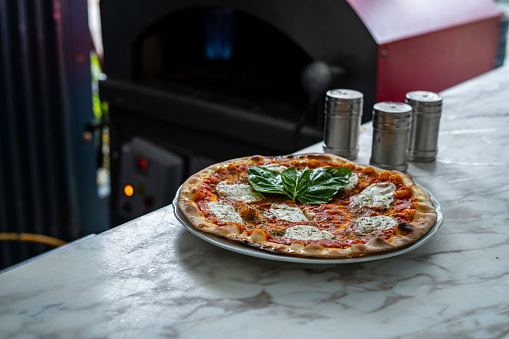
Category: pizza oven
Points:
column 195, row 82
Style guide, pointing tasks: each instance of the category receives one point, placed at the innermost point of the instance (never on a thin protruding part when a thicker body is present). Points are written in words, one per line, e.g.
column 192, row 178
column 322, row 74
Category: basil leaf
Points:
column 310, row 187
column 265, row 180
column 330, row 176
column 317, row 197
column 340, row 173
column 295, row 182
column 324, row 183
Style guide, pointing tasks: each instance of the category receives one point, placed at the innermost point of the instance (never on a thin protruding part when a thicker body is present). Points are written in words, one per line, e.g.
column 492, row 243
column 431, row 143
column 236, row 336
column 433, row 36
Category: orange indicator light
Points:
column 128, row 190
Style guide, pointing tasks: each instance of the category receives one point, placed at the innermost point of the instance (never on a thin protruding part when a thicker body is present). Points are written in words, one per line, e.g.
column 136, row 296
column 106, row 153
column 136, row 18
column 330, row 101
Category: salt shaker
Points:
column 391, row 131
column 343, row 113
column 426, row 113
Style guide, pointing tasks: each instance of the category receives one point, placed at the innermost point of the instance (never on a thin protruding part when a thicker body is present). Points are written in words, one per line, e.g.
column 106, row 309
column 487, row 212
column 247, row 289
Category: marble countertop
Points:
column 151, row 278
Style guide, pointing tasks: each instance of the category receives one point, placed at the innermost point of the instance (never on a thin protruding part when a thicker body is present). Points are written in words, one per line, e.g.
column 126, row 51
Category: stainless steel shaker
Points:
column 426, row 113
column 343, row 113
column 391, row 131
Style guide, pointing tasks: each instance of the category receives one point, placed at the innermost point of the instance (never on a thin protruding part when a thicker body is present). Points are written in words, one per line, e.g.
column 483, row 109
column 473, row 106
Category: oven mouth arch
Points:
column 254, row 63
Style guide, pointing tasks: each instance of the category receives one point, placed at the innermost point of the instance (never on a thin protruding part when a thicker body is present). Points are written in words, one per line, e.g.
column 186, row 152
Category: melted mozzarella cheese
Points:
column 377, row 195
column 369, row 224
column 288, row 213
column 353, row 180
column 239, row 192
column 225, row 212
column 304, row 232
column 275, row 167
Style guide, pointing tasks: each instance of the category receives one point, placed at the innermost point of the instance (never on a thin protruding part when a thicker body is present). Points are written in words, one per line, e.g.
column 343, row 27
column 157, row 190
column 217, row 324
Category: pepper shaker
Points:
column 426, row 113
column 391, row 131
column 343, row 112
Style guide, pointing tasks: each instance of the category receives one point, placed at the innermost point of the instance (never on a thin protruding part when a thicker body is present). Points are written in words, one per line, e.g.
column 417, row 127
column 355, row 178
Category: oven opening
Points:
column 221, row 55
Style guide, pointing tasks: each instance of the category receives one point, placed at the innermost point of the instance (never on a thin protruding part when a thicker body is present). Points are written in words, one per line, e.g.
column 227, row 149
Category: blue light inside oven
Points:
column 219, row 33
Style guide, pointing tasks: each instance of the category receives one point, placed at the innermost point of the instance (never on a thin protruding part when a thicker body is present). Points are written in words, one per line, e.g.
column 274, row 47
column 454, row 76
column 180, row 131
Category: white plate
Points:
column 254, row 252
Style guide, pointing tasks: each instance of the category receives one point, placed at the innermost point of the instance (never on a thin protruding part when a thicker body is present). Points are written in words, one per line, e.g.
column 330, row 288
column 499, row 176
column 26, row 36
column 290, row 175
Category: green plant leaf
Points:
column 295, row 182
column 324, row 183
column 310, row 187
column 340, row 173
column 265, row 181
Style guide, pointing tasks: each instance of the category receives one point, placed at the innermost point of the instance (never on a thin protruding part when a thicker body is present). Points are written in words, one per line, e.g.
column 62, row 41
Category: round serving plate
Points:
column 254, row 252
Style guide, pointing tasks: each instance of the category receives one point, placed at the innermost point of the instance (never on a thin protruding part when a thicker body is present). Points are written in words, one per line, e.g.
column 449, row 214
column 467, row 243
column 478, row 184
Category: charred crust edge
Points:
column 405, row 228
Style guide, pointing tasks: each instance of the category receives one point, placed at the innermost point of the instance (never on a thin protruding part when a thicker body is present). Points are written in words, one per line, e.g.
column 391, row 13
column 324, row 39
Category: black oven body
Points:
column 215, row 80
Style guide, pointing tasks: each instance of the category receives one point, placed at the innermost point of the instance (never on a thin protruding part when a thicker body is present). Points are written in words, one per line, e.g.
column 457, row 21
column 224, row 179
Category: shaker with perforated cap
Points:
column 426, row 113
column 391, row 131
column 343, row 113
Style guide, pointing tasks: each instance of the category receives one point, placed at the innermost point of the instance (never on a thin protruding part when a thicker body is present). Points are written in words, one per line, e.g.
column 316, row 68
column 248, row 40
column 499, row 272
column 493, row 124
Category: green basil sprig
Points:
column 316, row 186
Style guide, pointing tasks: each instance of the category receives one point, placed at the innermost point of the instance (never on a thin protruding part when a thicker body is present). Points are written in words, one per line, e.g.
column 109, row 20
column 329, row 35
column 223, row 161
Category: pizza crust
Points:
column 425, row 215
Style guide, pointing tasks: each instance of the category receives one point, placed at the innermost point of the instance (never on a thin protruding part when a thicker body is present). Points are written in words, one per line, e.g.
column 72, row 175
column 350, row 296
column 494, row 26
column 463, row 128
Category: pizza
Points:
column 308, row 205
